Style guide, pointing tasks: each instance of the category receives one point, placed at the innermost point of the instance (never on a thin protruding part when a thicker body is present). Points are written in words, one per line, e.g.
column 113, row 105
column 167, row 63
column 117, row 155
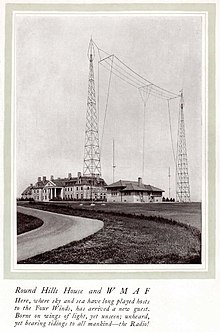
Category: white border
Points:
column 116, row 267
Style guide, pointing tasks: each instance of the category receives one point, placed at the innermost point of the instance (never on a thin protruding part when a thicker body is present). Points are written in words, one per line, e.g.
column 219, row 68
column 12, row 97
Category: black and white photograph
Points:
column 109, row 116
column 109, row 152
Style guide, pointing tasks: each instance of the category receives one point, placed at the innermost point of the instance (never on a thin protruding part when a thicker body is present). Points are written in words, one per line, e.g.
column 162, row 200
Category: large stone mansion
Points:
column 70, row 188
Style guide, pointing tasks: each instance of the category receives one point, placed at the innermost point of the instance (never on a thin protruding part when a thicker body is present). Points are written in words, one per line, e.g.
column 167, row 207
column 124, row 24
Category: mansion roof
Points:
column 27, row 191
column 73, row 181
column 85, row 180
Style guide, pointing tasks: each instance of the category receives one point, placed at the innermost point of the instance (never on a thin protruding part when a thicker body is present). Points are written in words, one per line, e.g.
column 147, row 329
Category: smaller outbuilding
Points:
column 124, row 191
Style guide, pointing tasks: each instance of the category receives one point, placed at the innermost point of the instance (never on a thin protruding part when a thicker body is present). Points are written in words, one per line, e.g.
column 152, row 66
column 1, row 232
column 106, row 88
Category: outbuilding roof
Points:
column 134, row 187
column 126, row 185
column 121, row 183
column 152, row 188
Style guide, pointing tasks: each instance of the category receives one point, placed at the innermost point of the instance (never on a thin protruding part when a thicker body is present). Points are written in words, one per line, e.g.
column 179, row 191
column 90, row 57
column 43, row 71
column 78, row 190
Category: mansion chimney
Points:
column 69, row 176
column 39, row 179
column 51, row 177
column 79, row 174
column 44, row 178
column 139, row 181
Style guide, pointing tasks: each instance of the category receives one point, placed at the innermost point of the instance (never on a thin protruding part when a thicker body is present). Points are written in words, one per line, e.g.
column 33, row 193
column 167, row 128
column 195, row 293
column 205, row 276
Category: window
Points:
column 81, row 188
column 77, row 188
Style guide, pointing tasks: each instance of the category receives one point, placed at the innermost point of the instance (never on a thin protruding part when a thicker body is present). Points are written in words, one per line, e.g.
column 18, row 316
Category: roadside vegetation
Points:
column 128, row 237
column 27, row 223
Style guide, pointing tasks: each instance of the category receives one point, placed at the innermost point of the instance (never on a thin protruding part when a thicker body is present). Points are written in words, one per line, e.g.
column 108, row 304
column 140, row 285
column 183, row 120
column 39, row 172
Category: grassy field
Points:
column 132, row 234
column 188, row 213
column 27, row 223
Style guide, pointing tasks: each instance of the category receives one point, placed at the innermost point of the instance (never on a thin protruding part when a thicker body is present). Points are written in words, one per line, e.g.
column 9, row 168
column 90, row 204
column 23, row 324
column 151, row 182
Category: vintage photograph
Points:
column 109, row 124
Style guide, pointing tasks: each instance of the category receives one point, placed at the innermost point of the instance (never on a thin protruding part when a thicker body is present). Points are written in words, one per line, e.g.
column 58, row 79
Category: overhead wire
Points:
column 164, row 93
column 155, row 91
column 106, row 60
column 134, row 84
column 99, row 49
column 149, row 82
column 129, row 74
column 171, row 135
column 106, row 106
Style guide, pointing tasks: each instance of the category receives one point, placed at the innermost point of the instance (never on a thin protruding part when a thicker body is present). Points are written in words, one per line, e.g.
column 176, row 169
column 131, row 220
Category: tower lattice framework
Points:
column 182, row 176
column 92, row 164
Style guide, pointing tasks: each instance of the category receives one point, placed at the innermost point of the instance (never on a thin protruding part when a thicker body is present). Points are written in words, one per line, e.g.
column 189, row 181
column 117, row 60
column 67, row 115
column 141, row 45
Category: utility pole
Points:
column 113, row 161
column 91, row 162
column 169, row 180
column 182, row 176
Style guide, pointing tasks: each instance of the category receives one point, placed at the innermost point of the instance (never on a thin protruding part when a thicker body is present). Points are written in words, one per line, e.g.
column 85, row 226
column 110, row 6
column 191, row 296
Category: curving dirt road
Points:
column 57, row 230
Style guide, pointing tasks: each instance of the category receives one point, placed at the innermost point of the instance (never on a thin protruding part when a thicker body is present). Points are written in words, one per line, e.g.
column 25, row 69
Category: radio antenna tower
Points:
column 182, row 176
column 91, row 164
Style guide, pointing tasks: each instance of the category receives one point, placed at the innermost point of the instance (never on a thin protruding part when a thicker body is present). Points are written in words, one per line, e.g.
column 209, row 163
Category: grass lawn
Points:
column 188, row 213
column 27, row 223
column 128, row 237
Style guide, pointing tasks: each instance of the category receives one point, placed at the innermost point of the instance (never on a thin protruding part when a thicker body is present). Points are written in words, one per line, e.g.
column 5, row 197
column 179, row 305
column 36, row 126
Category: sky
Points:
column 51, row 82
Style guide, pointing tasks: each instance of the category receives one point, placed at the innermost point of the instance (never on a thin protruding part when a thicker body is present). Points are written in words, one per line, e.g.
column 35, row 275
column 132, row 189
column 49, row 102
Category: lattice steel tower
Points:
column 91, row 165
column 182, row 176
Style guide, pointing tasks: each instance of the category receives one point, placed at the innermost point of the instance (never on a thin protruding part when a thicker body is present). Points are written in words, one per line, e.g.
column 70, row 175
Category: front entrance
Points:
column 54, row 194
